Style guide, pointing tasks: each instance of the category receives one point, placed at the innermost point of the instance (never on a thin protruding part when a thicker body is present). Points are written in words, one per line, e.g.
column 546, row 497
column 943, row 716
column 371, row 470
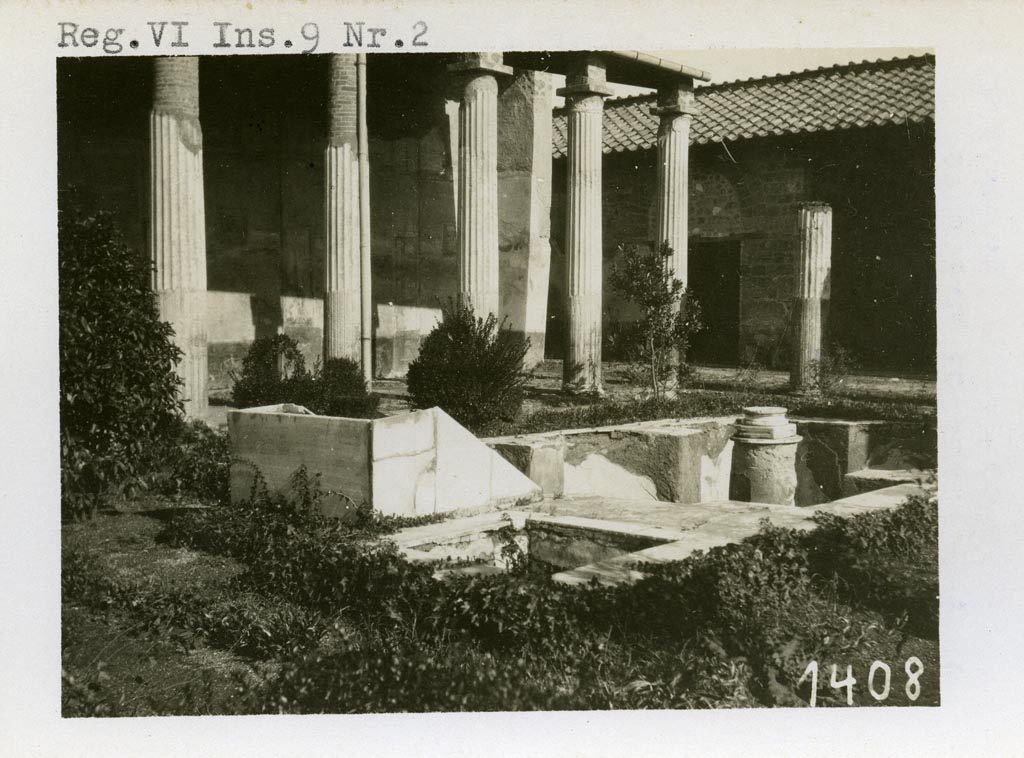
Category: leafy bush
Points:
column 829, row 373
column 244, row 622
column 340, row 390
column 274, row 371
column 118, row 389
column 291, row 550
column 886, row 560
column 470, row 368
column 390, row 678
column 190, row 461
column 669, row 313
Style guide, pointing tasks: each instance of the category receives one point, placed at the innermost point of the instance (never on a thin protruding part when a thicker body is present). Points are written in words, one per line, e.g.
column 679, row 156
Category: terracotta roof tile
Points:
column 872, row 93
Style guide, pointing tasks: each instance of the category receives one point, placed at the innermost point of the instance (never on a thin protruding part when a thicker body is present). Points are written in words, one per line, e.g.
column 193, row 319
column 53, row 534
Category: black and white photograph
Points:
column 395, row 376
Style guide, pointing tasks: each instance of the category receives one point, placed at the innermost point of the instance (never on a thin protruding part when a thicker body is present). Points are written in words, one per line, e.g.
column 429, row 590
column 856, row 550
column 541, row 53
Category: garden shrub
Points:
column 293, row 551
column 394, row 678
column 470, row 367
column 118, row 388
column 190, row 461
column 751, row 602
column 243, row 622
column 886, row 560
column 499, row 613
column 340, row 390
column 273, row 371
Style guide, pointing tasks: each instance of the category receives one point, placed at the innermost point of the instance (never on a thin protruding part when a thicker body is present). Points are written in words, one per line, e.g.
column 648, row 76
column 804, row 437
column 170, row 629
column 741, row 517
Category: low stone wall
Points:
column 235, row 319
column 690, row 460
column 833, row 448
column 683, row 461
column 277, row 440
column 411, row 464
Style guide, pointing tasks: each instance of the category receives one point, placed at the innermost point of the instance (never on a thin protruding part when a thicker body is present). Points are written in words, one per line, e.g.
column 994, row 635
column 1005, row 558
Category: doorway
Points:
column 714, row 271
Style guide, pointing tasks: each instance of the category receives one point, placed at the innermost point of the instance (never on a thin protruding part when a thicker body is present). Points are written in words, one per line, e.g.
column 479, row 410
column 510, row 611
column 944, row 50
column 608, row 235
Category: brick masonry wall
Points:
column 880, row 183
column 754, row 202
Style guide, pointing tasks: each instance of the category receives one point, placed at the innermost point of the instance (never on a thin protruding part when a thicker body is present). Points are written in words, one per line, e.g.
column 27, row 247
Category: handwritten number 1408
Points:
column 879, row 680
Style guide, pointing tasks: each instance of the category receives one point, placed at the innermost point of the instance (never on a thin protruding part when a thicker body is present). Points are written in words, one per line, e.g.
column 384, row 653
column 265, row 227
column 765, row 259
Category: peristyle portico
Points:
column 483, row 171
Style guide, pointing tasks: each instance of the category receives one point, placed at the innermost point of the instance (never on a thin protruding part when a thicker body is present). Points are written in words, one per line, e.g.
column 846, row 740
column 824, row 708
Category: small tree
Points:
column 669, row 314
column 470, row 367
column 118, row 388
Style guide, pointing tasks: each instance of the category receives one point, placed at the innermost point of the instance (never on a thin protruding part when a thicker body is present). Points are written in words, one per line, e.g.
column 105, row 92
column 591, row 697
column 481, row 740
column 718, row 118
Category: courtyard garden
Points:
column 262, row 607
column 178, row 599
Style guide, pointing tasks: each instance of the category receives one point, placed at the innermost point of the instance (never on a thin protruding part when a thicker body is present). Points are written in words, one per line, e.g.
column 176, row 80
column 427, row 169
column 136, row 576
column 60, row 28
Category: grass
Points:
column 115, row 662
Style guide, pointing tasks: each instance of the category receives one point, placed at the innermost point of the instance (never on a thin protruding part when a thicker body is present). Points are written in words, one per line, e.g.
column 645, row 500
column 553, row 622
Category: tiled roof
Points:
column 837, row 97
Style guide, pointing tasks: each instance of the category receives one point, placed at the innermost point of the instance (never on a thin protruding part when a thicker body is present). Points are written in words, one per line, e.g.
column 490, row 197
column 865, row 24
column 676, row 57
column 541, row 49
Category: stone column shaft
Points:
column 524, row 205
column 477, row 222
column 177, row 222
column 676, row 108
column 764, row 457
column 584, row 94
column 342, row 294
column 814, row 267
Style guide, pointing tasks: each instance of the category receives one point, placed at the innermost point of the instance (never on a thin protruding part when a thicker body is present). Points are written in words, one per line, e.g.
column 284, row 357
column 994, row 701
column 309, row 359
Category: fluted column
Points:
column 814, row 268
column 477, row 222
column 675, row 109
column 342, row 305
column 177, row 224
column 584, row 94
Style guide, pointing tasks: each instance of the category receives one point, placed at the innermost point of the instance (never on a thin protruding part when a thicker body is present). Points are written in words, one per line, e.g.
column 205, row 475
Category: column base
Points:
column 577, row 390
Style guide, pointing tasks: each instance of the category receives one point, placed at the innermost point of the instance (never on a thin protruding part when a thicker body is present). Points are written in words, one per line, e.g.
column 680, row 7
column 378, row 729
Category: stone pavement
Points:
column 705, row 526
column 678, row 530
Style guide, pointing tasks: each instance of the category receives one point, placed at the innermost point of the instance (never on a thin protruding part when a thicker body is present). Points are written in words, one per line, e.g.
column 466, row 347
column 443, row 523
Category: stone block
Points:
column 669, row 460
column 868, row 480
column 471, row 475
column 412, row 464
column 833, row 448
column 540, row 458
column 277, row 440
